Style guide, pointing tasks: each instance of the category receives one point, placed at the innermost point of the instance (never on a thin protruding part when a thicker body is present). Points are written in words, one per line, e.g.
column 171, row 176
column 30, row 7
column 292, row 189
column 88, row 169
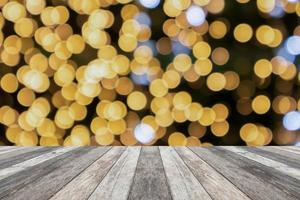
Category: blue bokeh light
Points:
column 149, row 3
column 143, row 18
column 291, row 121
column 139, row 79
column 282, row 52
column 293, row 45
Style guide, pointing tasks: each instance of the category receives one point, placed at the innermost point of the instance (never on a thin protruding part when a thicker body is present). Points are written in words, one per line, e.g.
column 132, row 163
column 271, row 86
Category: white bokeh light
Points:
column 195, row 15
column 291, row 121
column 95, row 71
column 150, row 3
column 293, row 1
column 144, row 133
column 293, row 45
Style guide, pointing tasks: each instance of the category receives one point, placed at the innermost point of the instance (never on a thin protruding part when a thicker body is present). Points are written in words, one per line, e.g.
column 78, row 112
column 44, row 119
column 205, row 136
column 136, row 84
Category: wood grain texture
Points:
column 4, row 173
column 214, row 183
column 269, row 174
column 24, row 156
column 150, row 181
column 279, row 155
column 56, row 179
column 4, row 150
column 14, row 183
column 283, row 168
column 117, row 182
column 135, row 173
column 182, row 182
column 17, row 152
column 247, row 176
column 86, row 182
column 292, row 150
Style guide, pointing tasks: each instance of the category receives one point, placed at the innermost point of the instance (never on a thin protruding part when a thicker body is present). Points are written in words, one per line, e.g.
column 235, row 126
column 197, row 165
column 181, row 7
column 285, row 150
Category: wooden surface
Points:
column 146, row 173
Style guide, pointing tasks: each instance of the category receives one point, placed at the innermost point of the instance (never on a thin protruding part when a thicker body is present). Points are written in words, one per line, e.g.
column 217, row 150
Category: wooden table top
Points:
column 149, row 173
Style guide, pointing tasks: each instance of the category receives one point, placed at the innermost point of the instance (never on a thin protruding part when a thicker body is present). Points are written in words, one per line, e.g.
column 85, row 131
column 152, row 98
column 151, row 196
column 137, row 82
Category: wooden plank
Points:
column 286, row 183
column 17, row 181
column 214, row 183
column 150, row 181
column 296, row 148
column 86, row 182
column 283, row 168
column 7, row 148
column 282, row 150
column 216, row 173
column 47, row 185
column 17, row 152
column 286, row 149
column 7, row 162
column 182, row 182
column 4, row 151
column 244, row 174
column 278, row 155
column 4, row 173
column 117, row 183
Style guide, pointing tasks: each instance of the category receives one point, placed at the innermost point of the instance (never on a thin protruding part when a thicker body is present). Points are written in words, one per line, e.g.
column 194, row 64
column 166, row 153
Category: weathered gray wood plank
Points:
column 42, row 179
column 182, row 182
column 214, row 183
column 245, row 174
column 150, row 173
column 150, row 181
column 8, row 151
column 5, row 149
column 279, row 155
column 18, row 151
column 287, row 184
column 86, row 182
column 25, row 156
column 283, row 168
column 117, row 183
column 57, row 178
column 286, row 149
column 6, row 172
column 296, row 148
column 13, row 183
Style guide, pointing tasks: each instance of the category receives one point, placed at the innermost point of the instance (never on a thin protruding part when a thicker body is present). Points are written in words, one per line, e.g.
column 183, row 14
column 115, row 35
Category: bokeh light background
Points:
column 149, row 72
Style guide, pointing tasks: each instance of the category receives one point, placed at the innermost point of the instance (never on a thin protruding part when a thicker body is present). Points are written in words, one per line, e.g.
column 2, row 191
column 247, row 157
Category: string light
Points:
column 150, row 3
column 291, row 121
column 195, row 15
column 144, row 133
